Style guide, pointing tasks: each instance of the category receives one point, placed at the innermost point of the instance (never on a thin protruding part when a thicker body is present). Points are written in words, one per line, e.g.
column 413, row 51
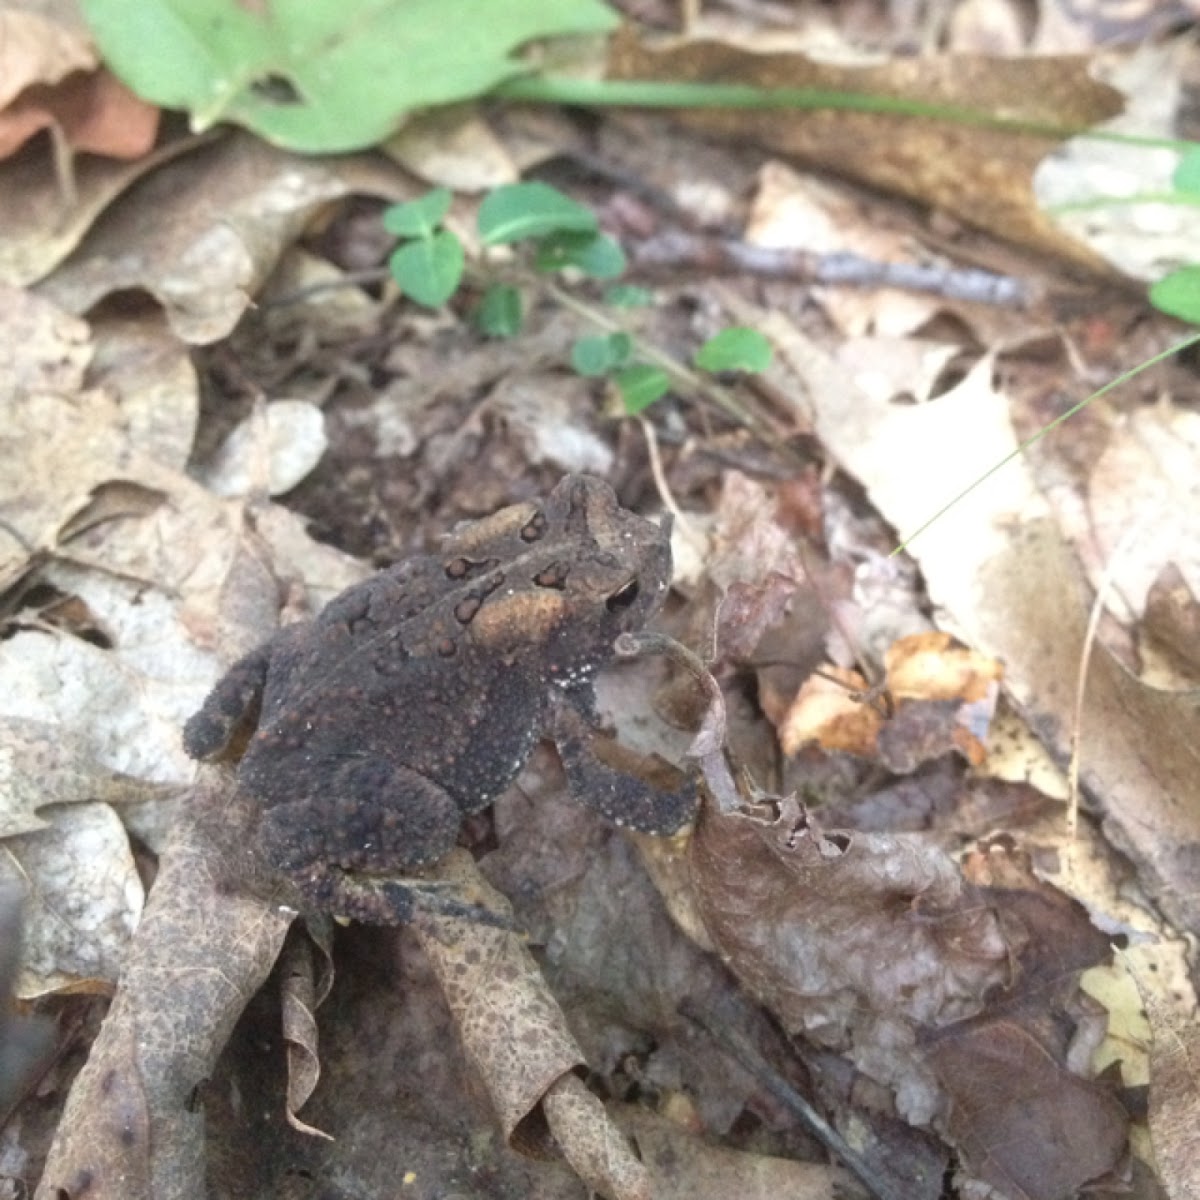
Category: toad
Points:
column 416, row 697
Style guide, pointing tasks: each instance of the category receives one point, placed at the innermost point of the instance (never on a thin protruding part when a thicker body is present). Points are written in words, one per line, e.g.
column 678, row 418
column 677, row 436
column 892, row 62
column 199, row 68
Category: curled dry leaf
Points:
column 302, row 993
column 132, row 1129
column 516, row 1036
column 878, row 946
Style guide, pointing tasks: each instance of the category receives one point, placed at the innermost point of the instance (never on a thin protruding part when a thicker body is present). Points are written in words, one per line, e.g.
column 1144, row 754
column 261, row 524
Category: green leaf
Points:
column 595, row 254
column 592, row 356
column 499, row 314
column 530, row 210
column 628, row 295
column 420, row 217
column 640, row 386
column 735, row 349
column 321, row 76
column 1187, row 173
column 1178, row 294
column 429, row 270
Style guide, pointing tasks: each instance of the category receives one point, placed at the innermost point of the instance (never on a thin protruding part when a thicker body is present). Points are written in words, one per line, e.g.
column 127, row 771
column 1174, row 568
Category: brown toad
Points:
column 416, row 696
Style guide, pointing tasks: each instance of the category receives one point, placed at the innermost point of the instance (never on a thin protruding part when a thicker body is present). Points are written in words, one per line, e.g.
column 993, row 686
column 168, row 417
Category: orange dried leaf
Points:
column 826, row 712
column 932, row 666
column 95, row 111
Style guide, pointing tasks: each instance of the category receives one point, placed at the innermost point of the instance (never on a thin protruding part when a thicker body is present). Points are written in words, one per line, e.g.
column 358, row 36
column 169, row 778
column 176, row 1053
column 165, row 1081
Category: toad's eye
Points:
column 623, row 597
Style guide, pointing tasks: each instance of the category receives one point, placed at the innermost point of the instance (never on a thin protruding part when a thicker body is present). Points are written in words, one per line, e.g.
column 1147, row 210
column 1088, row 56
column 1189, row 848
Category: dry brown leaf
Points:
column 94, row 111
column 1172, row 624
column 132, row 1129
column 982, row 176
column 1024, row 1125
column 1144, row 494
column 800, row 916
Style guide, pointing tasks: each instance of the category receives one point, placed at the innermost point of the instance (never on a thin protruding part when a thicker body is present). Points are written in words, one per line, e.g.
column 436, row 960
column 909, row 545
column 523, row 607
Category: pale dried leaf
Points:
column 41, row 48
column 1143, row 240
column 43, row 763
column 83, row 899
column 795, row 212
column 154, row 379
column 453, row 146
column 1174, row 1072
column 42, row 348
column 1144, row 495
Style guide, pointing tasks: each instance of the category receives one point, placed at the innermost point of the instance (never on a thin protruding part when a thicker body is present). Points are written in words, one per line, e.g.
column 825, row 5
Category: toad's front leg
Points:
column 624, row 799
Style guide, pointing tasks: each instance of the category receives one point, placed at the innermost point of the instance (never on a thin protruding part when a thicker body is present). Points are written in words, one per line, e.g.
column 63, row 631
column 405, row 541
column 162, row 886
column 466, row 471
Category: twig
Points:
column 735, row 1043
column 676, row 250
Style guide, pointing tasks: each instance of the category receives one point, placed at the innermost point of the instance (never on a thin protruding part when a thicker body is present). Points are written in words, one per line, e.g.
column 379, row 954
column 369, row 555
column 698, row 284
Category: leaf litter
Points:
column 896, row 923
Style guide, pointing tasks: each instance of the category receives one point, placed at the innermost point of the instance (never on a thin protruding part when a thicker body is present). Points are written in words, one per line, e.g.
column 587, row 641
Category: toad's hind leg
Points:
column 339, row 849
